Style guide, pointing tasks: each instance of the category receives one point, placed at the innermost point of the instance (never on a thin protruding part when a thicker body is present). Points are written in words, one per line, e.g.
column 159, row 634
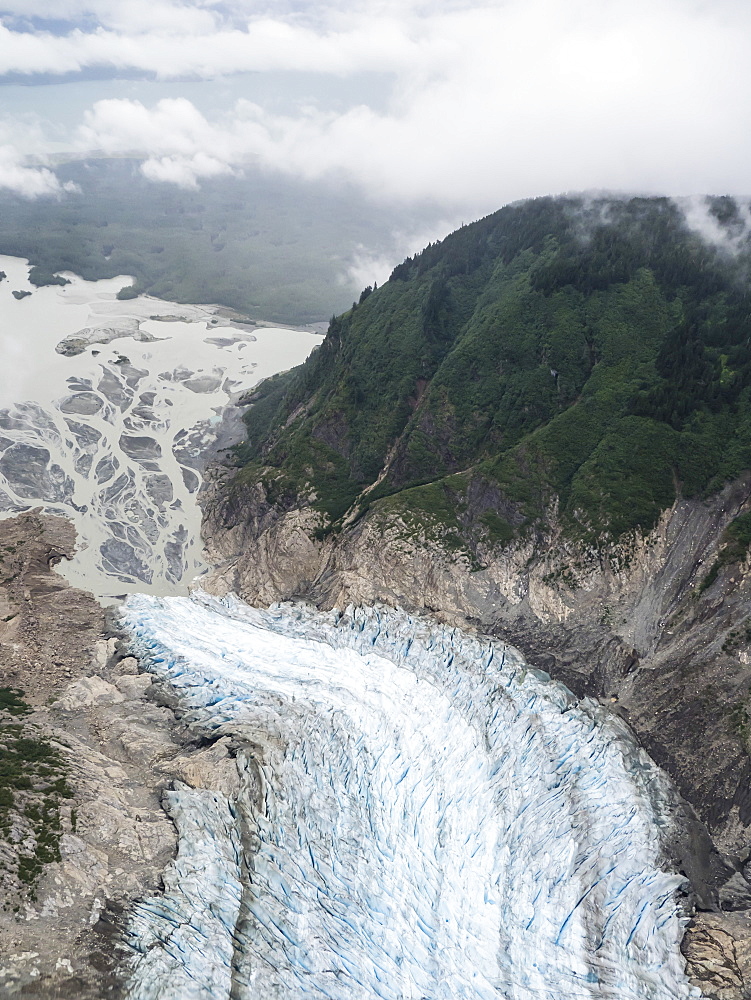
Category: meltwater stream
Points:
column 421, row 817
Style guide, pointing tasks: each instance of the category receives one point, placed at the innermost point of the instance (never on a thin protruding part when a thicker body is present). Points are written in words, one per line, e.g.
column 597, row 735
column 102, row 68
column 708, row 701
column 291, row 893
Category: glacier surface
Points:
column 421, row 816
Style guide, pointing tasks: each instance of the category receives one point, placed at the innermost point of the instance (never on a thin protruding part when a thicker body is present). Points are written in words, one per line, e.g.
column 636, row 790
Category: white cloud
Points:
column 172, row 126
column 732, row 237
column 184, row 171
column 178, row 143
column 175, row 50
column 490, row 102
column 367, row 267
column 28, row 181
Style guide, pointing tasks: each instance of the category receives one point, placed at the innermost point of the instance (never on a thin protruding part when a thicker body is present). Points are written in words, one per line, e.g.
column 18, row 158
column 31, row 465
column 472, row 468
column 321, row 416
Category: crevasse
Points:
column 430, row 819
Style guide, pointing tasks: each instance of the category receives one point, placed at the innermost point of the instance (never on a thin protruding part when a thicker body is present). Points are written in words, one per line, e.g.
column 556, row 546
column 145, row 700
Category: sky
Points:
column 467, row 104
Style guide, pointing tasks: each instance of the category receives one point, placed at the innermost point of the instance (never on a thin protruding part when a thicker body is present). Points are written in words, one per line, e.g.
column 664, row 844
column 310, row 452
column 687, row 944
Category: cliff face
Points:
column 634, row 625
column 631, row 625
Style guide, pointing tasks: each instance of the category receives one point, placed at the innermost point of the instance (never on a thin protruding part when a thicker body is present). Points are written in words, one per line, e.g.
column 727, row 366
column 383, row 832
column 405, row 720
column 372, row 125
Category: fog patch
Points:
column 369, row 269
column 722, row 221
column 29, row 181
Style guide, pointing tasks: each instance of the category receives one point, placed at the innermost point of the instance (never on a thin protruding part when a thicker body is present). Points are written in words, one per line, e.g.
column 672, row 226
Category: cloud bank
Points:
column 487, row 102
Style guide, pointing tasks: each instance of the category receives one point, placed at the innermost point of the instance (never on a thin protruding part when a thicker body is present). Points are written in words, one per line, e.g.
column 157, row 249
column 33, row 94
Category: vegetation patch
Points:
column 735, row 543
column 499, row 531
column 737, row 539
column 740, row 724
column 41, row 276
column 738, row 637
column 429, row 512
column 11, row 701
column 33, row 784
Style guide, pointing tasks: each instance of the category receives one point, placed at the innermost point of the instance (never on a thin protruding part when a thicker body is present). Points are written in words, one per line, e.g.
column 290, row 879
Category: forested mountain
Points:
column 592, row 355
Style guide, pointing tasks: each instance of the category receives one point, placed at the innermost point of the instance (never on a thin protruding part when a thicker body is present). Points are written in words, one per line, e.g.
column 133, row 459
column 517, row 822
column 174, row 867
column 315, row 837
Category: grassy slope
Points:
column 595, row 353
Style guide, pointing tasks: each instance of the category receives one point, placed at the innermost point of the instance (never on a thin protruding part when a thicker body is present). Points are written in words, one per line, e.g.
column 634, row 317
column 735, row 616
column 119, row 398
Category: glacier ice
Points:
column 421, row 817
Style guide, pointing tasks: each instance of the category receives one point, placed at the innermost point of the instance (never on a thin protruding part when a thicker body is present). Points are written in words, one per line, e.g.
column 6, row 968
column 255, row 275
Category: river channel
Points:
column 106, row 409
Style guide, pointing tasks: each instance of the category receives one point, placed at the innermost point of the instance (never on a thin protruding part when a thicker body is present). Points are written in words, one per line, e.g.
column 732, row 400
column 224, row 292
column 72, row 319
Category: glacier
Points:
column 420, row 816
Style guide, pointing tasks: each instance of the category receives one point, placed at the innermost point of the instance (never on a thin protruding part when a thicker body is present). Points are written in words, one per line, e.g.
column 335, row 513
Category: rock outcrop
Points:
column 68, row 883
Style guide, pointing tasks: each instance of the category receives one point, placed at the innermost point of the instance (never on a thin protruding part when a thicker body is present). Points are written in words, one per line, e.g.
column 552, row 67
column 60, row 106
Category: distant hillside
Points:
column 268, row 246
column 595, row 356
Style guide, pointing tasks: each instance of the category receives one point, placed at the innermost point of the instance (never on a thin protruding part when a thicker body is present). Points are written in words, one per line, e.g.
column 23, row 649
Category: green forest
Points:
column 270, row 247
column 592, row 357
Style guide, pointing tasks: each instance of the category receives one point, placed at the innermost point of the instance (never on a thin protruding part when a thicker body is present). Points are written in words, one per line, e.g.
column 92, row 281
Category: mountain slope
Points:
column 593, row 354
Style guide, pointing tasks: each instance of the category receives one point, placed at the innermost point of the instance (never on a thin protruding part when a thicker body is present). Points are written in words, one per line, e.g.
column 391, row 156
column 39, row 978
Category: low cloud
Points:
column 29, row 181
column 726, row 224
column 368, row 268
column 184, row 171
column 177, row 143
column 482, row 103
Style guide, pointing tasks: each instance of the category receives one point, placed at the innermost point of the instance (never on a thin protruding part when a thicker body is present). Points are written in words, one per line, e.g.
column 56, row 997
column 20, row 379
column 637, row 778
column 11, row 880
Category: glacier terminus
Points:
column 421, row 816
